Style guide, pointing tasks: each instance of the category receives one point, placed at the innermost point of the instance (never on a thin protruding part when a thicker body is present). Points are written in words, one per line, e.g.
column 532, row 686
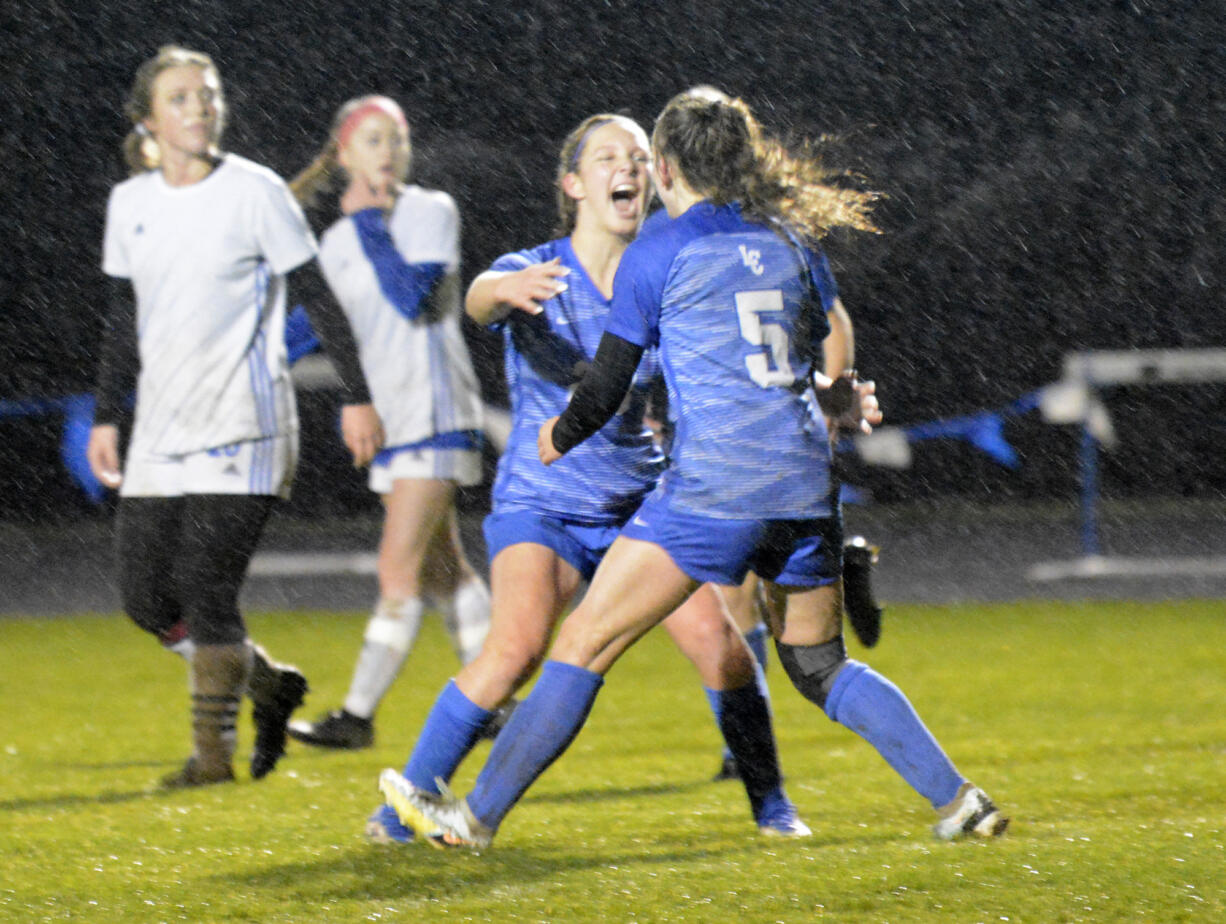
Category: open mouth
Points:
column 626, row 199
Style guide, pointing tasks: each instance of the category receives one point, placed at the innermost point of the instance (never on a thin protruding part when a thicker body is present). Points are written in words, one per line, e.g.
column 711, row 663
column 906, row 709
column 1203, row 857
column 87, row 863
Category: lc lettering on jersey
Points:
column 752, row 259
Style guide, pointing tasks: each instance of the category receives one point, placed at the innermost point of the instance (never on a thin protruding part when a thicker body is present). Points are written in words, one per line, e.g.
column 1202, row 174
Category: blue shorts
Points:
column 795, row 553
column 581, row 545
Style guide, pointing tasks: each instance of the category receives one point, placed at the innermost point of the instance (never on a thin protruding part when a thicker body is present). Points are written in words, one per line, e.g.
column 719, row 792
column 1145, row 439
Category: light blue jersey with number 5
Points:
column 737, row 311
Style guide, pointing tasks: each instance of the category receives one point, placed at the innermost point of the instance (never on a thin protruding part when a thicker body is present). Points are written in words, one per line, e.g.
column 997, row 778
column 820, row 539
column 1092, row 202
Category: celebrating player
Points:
column 199, row 244
column 549, row 529
column 740, row 302
column 392, row 260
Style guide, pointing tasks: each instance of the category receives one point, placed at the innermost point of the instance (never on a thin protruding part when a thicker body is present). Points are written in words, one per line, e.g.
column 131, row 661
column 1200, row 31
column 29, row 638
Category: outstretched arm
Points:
column 495, row 293
column 595, row 400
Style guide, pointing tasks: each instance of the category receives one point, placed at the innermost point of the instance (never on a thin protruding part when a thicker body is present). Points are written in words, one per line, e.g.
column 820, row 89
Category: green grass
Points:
column 1099, row 727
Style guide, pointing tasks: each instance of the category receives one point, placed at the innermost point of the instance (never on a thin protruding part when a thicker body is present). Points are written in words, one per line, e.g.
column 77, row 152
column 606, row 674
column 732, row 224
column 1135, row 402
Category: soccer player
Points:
column 549, row 529
column 740, row 303
column 198, row 245
column 392, row 260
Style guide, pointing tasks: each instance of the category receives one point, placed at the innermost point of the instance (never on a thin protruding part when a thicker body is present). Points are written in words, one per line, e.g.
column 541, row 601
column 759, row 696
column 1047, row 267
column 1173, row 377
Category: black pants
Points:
column 184, row 558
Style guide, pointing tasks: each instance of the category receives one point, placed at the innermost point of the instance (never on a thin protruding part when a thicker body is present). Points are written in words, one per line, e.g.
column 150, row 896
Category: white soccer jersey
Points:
column 419, row 371
column 207, row 263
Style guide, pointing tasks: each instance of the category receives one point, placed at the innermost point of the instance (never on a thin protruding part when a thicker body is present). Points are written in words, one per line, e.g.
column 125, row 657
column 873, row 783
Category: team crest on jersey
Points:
column 752, row 259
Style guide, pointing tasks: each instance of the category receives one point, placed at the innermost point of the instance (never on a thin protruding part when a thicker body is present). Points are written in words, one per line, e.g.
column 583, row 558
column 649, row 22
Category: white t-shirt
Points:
column 208, row 264
column 419, row 371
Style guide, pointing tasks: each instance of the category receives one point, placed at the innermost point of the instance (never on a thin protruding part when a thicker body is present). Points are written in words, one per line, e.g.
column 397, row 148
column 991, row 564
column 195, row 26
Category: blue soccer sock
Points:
column 452, row 728
column 756, row 638
column 744, row 719
column 876, row 710
column 540, row 729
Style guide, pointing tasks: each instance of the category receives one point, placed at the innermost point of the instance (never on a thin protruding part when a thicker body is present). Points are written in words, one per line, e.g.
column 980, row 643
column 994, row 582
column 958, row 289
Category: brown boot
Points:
column 219, row 676
column 276, row 690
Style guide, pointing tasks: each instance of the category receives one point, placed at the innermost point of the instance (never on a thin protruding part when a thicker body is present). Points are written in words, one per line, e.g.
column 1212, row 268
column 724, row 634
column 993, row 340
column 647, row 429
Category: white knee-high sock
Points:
column 467, row 618
column 389, row 636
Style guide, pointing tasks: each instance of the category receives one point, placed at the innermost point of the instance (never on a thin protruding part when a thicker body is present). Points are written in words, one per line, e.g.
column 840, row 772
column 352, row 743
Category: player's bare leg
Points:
column 811, row 650
column 413, row 512
column 745, row 606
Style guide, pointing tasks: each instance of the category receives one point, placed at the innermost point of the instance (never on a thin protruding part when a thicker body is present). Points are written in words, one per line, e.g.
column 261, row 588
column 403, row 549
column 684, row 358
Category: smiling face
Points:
column 611, row 181
column 376, row 151
column 186, row 113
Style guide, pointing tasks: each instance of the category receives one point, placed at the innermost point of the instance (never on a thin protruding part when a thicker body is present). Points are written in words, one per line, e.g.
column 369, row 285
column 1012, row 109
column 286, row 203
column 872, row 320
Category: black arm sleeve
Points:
column 600, row 392
column 119, row 363
column 308, row 287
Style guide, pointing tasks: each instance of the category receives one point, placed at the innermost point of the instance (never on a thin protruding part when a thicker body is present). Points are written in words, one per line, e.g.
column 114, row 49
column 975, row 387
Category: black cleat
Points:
column 271, row 715
column 193, row 774
column 728, row 770
column 339, row 730
column 858, row 601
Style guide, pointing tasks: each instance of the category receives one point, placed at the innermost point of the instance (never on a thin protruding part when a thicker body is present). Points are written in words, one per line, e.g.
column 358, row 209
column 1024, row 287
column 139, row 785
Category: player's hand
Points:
column 544, row 442
column 361, row 195
column 362, row 431
column 847, row 403
column 525, row 289
column 103, row 454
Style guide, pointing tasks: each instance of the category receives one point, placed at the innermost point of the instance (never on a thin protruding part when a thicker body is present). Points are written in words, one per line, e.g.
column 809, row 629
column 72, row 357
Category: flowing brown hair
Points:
column 725, row 156
column 140, row 151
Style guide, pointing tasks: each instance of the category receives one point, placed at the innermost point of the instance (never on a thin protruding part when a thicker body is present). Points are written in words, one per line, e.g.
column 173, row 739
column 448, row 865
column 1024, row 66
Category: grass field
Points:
column 1099, row 727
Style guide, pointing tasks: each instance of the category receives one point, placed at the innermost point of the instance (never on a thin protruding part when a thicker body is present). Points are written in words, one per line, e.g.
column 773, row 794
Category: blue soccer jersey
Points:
column 723, row 298
column 602, row 481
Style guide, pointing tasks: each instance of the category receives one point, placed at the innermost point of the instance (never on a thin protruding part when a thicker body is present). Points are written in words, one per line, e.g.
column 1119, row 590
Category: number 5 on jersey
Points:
column 770, row 369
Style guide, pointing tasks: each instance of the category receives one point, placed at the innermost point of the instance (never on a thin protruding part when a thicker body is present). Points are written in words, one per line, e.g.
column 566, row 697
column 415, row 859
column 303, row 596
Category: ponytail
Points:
column 318, row 177
column 140, row 152
column 724, row 155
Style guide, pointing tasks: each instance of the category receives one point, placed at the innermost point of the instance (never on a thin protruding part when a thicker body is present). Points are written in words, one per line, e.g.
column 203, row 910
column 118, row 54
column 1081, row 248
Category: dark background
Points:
column 1053, row 174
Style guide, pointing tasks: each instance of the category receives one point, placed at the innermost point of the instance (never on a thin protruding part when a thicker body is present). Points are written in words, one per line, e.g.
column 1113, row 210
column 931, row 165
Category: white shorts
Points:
column 258, row 467
column 463, row 466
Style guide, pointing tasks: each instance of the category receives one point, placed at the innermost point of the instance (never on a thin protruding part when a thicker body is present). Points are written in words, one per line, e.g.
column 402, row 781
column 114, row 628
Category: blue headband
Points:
column 574, row 161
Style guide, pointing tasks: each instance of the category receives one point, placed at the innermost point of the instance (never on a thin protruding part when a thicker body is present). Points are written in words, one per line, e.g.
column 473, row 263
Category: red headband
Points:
column 368, row 106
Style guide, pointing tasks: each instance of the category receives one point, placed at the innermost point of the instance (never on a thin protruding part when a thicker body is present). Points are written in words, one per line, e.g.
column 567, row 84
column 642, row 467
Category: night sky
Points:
column 1053, row 174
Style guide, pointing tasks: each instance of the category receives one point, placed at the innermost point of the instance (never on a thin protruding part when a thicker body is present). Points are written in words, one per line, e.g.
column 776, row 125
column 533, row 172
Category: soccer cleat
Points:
column 193, row 774
column 498, row 720
column 340, row 730
column 385, row 827
column 858, row 601
column 445, row 816
column 728, row 770
column 970, row 814
column 778, row 818
column 270, row 719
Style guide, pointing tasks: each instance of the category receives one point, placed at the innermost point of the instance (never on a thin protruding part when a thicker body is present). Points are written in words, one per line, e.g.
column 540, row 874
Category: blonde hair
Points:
column 325, row 173
column 140, row 150
column 568, row 160
column 723, row 153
